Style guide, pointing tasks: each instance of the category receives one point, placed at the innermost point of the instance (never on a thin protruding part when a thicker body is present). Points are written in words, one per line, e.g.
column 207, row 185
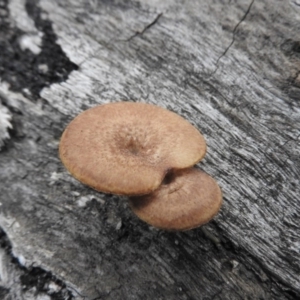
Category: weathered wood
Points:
column 5, row 124
column 231, row 68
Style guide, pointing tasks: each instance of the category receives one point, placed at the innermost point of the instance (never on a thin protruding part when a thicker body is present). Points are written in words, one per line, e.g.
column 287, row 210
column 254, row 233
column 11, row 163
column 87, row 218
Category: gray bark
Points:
column 229, row 67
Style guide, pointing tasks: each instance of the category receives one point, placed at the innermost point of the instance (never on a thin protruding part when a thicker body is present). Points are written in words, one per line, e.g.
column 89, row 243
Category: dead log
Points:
column 230, row 67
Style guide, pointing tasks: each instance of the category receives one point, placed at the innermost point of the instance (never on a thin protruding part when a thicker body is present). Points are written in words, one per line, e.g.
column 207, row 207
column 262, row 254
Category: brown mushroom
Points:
column 127, row 148
column 186, row 199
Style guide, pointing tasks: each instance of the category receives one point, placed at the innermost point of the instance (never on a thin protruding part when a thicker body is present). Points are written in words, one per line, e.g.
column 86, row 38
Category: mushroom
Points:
column 127, row 148
column 186, row 199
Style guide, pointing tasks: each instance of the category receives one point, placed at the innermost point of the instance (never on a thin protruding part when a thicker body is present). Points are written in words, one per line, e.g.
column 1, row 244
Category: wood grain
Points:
column 229, row 67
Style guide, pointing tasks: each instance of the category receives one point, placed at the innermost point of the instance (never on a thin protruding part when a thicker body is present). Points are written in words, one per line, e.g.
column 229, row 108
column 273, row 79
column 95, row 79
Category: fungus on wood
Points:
column 188, row 199
column 127, row 148
column 130, row 149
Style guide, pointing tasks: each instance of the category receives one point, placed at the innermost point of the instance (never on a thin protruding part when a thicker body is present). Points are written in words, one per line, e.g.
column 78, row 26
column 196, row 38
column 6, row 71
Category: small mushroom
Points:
column 127, row 148
column 186, row 199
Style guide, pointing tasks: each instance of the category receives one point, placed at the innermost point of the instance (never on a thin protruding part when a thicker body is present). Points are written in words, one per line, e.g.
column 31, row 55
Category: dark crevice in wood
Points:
column 145, row 28
column 233, row 37
column 20, row 68
column 33, row 277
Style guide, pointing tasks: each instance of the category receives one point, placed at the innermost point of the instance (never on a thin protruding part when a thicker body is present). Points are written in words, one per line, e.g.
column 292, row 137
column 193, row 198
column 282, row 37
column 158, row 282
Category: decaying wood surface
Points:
column 230, row 67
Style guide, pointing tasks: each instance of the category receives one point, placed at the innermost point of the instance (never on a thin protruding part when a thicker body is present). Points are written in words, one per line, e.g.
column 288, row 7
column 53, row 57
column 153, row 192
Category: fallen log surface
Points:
column 229, row 67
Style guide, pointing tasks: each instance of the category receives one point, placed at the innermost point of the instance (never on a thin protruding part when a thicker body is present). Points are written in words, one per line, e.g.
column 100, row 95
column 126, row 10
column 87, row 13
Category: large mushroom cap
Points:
column 127, row 148
column 187, row 199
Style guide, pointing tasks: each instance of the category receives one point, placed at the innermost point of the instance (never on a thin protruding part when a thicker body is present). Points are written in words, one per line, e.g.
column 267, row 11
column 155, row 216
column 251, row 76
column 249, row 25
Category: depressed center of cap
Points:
column 126, row 148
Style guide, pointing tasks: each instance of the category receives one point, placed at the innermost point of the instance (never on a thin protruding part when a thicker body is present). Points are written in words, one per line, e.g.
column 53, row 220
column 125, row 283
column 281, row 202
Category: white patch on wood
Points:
column 22, row 260
column 3, row 268
column 83, row 200
column 31, row 42
column 32, row 39
column 5, row 124
column 43, row 68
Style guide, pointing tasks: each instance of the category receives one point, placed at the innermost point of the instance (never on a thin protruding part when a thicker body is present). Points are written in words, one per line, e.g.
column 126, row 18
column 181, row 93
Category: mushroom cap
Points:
column 187, row 199
column 127, row 148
